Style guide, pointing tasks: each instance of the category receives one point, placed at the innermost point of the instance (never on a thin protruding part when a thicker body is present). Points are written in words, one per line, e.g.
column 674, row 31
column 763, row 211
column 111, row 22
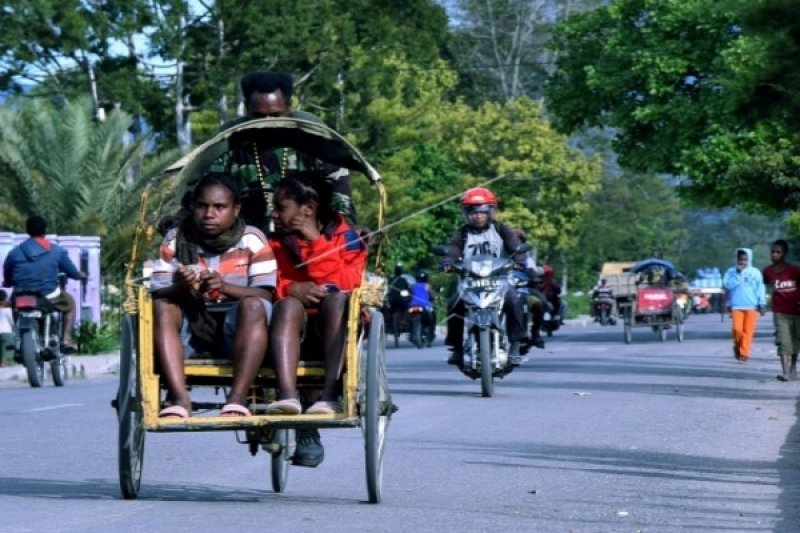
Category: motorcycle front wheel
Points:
column 487, row 375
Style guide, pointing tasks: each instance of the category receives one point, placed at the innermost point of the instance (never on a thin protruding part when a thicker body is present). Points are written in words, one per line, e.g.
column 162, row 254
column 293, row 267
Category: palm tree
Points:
column 84, row 176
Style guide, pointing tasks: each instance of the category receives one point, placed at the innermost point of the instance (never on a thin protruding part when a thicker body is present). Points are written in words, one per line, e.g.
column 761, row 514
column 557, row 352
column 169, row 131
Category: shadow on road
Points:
column 789, row 479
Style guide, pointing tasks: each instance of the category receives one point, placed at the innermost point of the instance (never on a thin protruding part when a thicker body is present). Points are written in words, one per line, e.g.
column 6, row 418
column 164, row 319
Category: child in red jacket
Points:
column 320, row 260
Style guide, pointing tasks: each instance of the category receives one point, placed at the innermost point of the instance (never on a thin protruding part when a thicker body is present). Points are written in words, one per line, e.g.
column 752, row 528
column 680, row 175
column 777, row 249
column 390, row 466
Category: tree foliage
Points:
column 702, row 89
column 79, row 174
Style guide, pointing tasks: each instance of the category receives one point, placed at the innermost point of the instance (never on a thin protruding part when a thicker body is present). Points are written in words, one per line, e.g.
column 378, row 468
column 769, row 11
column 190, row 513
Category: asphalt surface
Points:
column 591, row 435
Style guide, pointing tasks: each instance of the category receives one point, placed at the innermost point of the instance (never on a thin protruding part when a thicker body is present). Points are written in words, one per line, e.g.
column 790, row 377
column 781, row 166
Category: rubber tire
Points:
column 662, row 333
column 487, row 372
column 628, row 333
column 416, row 330
column 30, row 359
column 129, row 412
column 376, row 406
column 280, row 461
column 58, row 367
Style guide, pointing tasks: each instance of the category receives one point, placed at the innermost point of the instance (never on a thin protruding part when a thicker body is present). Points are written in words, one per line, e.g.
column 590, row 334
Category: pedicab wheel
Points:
column 375, row 405
column 487, row 377
column 33, row 366
column 131, row 433
column 285, row 439
column 662, row 333
column 58, row 367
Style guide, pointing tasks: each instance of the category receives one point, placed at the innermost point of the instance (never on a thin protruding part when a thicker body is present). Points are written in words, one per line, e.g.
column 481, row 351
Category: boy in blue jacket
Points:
column 744, row 288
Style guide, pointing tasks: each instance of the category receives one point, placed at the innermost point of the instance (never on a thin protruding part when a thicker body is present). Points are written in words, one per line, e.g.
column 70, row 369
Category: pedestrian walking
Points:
column 783, row 278
column 744, row 288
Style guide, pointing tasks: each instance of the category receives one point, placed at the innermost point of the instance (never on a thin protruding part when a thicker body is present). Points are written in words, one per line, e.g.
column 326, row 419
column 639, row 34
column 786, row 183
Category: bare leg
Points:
column 287, row 324
column 332, row 316
column 249, row 347
column 169, row 350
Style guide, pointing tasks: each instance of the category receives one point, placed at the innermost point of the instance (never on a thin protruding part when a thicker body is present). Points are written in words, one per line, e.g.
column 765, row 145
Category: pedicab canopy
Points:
column 312, row 138
column 648, row 264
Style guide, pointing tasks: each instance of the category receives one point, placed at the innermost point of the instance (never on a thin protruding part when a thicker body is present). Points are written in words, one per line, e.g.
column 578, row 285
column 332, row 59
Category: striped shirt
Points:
column 249, row 263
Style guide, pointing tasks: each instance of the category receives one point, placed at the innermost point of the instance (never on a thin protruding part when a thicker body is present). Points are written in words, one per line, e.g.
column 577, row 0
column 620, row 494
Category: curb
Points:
column 78, row 367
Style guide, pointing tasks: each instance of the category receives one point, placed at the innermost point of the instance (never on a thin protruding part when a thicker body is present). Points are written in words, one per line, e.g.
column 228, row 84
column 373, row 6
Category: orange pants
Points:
column 744, row 327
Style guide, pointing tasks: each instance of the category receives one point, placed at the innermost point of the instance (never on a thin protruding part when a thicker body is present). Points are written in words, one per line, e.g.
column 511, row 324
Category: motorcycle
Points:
column 38, row 327
column 484, row 281
column 421, row 328
column 602, row 309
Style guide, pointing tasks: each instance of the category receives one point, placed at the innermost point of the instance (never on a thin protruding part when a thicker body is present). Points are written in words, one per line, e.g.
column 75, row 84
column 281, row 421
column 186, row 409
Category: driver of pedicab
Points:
column 269, row 94
column 212, row 258
column 482, row 234
column 321, row 259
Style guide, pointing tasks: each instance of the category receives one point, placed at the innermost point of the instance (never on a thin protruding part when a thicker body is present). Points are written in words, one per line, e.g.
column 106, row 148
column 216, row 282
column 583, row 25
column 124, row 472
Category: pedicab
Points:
column 366, row 400
column 650, row 301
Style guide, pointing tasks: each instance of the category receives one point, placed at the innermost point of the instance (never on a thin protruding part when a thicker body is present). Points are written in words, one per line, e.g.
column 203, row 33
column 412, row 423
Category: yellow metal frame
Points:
column 150, row 389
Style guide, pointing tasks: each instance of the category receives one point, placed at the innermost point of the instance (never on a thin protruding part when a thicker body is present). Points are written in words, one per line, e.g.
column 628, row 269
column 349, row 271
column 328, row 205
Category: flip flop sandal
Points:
column 174, row 411
column 235, row 409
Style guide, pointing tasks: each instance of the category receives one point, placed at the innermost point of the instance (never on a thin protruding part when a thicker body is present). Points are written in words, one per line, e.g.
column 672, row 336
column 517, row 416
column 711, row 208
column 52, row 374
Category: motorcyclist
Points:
column 35, row 264
column 398, row 297
column 535, row 300
column 551, row 288
column 422, row 296
column 482, row 234
column 602, row 293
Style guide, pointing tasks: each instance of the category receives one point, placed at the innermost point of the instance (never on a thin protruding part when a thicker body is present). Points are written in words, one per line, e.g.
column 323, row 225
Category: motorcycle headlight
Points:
column 481, row 268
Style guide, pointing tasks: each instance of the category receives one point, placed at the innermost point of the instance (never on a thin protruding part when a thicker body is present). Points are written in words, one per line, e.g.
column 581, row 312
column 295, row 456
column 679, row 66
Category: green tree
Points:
column 80, row 174
column 702, row 89
column 630, row 215
column 498, row 46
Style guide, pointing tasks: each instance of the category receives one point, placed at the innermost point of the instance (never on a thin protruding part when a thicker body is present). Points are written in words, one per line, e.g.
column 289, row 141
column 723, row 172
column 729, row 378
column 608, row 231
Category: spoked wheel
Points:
column 33, row 365
column 487, row 374
column 58, row 367
column 282, row 450
column 375, row 403
column 129, row 412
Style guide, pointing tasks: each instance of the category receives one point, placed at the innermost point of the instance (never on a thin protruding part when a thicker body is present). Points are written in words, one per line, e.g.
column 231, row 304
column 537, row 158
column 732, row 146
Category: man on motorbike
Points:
column 35, row 264
column 398, row 296
column 422, row 296
column 551, row 288
column 602, row 295
column 482, row 234
column 534, row 299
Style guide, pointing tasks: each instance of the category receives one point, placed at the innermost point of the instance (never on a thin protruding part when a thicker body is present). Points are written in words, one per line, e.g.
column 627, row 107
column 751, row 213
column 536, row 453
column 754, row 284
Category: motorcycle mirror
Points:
column 522, row 248
column 440, row 249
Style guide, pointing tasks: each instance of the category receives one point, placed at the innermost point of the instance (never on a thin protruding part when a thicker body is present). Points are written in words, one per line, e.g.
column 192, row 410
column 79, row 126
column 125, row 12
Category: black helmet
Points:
column 422, row 276
column 398, row 269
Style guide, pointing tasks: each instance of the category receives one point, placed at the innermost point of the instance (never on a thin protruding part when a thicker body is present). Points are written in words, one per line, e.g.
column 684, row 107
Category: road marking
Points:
column 53, row 407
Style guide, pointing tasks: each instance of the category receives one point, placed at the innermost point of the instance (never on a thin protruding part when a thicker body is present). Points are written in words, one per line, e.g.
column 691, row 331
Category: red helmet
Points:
column 478, row 200
column 478, row 196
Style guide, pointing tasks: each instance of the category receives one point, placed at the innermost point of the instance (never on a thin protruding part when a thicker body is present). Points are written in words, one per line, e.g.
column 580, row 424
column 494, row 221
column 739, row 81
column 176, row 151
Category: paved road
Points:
column 590, row 436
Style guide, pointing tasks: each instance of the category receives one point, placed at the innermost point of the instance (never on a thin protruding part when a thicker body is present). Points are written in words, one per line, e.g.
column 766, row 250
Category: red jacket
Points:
column 337, row 257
